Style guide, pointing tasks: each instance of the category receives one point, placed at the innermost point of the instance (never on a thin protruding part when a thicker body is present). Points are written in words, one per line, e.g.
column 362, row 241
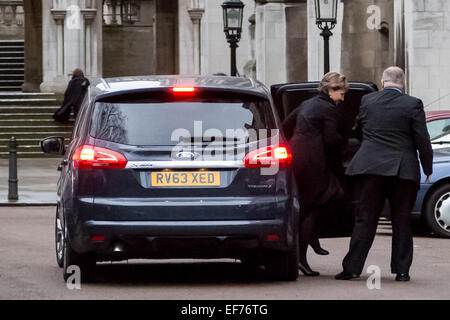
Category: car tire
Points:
column 437, row 211
column 59, row 238
column 283, row 265
column 85, row 262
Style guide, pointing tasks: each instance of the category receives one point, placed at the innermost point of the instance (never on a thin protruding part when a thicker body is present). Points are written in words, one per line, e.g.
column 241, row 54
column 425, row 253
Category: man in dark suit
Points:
column 392, row 128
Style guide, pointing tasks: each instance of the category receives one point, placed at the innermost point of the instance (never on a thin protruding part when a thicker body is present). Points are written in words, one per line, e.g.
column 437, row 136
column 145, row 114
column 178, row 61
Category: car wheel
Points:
column 59, row 238
column 85, row 262
column 437, row 212
column 283, row 265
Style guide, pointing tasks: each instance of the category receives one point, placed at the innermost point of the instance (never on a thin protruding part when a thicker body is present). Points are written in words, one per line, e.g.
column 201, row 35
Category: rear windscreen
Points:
column 168, row 123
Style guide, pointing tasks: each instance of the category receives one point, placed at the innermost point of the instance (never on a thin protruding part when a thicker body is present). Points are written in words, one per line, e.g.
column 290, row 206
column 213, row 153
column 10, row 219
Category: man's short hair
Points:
column 394, row 75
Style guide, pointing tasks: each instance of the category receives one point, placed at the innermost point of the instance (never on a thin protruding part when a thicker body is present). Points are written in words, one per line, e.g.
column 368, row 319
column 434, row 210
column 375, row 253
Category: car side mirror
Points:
column 53, row 145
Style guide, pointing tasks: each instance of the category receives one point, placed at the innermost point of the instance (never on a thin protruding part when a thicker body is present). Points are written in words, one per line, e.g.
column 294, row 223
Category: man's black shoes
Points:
column 402, row 277
column 346, row 276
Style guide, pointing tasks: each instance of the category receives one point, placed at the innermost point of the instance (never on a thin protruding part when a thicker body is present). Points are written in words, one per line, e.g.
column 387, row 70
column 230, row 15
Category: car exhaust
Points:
column 119, row 247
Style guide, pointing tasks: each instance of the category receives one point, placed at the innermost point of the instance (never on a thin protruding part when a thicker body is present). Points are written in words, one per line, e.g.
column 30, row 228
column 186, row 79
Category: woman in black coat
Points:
column 314, row 132
column 73, row 97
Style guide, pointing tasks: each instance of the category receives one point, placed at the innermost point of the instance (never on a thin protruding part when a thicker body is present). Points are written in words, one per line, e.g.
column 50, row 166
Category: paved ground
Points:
column 37, row 181
column 28, row 271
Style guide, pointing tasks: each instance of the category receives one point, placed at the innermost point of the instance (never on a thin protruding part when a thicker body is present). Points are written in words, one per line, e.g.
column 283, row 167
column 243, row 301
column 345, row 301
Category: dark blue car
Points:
column 176, row 167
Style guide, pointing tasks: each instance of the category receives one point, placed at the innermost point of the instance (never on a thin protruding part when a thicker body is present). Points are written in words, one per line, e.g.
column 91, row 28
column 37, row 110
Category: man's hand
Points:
column 428, row 180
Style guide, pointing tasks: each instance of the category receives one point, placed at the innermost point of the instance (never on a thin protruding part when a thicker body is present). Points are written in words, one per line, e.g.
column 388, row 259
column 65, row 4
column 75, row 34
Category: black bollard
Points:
column 13, row 181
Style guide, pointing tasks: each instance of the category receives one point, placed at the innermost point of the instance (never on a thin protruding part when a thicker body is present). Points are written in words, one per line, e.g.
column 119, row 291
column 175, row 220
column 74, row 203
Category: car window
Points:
column 147, row 124
column 438, row 128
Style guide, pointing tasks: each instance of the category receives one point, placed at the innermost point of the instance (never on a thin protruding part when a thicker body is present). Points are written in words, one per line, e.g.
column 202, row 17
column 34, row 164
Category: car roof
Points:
column 107, row 86
column 436, row 115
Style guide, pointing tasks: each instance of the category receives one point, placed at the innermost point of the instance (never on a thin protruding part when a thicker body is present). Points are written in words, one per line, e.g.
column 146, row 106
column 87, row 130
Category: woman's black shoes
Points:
column 321, row 251
column 306, row 270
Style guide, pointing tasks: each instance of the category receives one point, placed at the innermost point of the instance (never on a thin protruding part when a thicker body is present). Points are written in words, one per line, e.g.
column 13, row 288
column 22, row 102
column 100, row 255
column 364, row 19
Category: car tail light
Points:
column 184, row 90
column 279, row 155
column 90, row 157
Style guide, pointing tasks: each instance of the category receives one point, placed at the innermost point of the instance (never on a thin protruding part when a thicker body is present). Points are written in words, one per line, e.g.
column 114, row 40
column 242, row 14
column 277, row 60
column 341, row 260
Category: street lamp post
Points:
column 326, row 19
column 233, row 11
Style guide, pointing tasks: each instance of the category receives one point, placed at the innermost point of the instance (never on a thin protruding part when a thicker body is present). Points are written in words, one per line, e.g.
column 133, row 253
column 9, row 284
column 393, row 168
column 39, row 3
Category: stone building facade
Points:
column 280, row 40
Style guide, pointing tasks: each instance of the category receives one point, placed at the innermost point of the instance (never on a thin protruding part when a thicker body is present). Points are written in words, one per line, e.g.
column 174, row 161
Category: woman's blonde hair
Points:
column 333, row 81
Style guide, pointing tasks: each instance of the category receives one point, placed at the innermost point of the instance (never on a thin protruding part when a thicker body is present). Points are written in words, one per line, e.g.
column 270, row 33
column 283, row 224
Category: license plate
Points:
column 185, row 179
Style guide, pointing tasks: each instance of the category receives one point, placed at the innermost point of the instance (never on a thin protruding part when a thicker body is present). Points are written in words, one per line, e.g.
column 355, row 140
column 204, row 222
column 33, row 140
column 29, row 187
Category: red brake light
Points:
column 269, row 156
column 184, row 90
column 90, row 157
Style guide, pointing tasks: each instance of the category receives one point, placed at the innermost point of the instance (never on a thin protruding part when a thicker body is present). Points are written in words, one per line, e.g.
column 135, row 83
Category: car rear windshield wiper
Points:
column 440, row 142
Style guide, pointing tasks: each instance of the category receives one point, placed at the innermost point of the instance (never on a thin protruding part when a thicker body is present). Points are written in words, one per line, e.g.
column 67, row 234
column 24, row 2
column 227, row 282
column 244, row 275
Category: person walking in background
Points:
column 73, row 97
column 313, row 125
column 392, row 128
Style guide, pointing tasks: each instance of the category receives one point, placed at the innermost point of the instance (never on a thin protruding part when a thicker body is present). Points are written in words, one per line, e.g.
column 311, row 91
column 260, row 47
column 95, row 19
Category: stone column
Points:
column 89, row 17
column 281, row 41
column 72, row 39
column 270, row 36
column 59, row 16
column 196, row 14
column 33, row 46
column 165, row 43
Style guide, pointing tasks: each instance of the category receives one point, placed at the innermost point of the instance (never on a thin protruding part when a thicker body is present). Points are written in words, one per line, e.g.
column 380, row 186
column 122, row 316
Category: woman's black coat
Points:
column 313, row 125
column 73, row 97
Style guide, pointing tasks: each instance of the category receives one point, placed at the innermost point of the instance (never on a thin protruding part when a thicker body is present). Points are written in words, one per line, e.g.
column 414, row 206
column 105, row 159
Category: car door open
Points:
column 337, row 219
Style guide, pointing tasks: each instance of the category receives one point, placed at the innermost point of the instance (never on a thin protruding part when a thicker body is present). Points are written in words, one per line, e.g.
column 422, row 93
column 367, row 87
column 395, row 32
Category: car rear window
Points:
column 147, row 124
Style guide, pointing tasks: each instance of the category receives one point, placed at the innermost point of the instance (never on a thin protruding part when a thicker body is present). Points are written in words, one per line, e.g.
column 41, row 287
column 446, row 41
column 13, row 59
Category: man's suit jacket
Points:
column 392, row 127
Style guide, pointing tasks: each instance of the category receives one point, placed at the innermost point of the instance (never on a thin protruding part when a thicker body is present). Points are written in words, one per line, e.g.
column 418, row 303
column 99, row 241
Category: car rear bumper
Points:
column 182, row 239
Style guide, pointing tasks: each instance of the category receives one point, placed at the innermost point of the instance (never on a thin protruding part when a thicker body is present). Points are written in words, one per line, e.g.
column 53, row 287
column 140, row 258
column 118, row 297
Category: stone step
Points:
column 22, row 141
column 12, row 71
column 20, row 116
column 29, row 95
column 16, row 42
column 10, row 65
column 12, row 54
column 12, row 60
column 21, row 148
column 12, row 76
column 12, row 48
column 29, row 102
column 39, row 129
column 5, row 155
column 29, row 122
column 27, row 109
column 11, row 88
column 35, row 135
column 10, row 83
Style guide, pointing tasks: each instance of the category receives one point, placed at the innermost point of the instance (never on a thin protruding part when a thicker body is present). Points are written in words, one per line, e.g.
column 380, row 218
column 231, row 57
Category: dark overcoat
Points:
column 73, row 97
column 313, row 125
column 393, row 130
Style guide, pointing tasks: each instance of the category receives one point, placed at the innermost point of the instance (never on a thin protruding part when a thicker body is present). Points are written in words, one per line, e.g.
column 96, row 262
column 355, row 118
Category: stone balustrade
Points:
column 11, row 13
